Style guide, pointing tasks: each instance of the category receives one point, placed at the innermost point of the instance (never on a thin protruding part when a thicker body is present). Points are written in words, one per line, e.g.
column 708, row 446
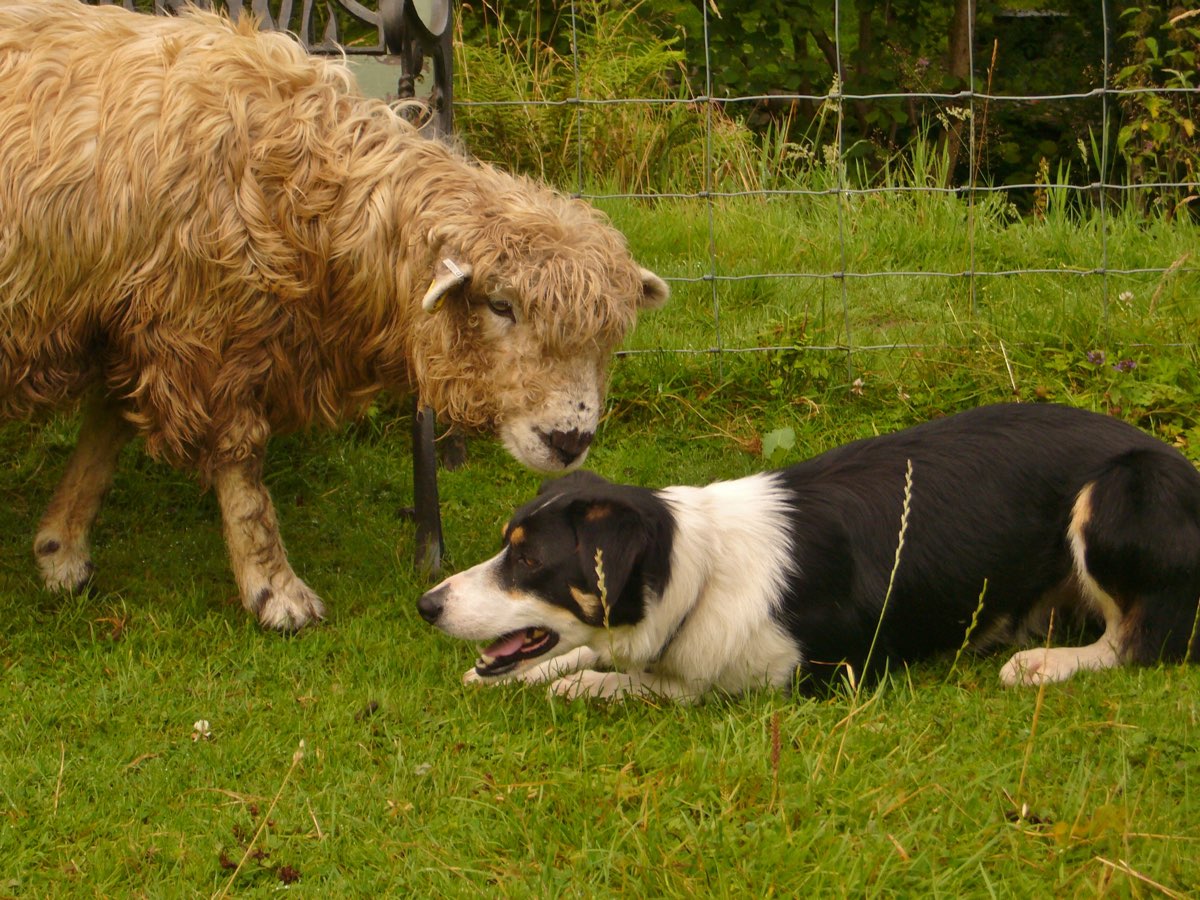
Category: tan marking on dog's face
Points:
column 591, row 605
column 597, row 512
column 517, row 536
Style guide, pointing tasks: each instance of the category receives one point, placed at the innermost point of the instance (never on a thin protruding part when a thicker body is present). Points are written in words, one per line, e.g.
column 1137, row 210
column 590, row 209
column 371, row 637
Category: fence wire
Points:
column 707, row 271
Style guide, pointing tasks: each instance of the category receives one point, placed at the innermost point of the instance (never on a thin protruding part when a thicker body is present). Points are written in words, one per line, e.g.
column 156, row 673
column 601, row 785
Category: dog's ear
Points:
column 612, row 538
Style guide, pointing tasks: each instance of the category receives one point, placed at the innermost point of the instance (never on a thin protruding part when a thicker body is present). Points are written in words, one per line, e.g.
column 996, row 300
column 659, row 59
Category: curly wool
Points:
column 219, row 231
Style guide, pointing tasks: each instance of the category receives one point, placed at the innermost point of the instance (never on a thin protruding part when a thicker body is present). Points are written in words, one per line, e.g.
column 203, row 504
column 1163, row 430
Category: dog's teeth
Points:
column 537, row 633
column 485, row 659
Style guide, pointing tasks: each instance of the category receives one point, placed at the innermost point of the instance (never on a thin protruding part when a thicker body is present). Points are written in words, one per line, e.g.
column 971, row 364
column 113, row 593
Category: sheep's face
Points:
column 556, row 435
column 517, row 340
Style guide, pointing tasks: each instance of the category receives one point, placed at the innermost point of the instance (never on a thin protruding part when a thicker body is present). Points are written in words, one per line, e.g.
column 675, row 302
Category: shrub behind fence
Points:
column 798, row 223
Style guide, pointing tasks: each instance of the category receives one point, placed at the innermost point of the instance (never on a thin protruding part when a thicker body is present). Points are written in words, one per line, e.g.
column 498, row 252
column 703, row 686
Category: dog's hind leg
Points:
column 1143, row 546
column 61, row 546
column 1135, row 539
column 1050, row 664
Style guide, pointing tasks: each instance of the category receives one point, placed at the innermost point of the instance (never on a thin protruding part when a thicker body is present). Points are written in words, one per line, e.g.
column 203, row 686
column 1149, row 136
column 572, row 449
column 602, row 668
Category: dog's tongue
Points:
column 507, row 645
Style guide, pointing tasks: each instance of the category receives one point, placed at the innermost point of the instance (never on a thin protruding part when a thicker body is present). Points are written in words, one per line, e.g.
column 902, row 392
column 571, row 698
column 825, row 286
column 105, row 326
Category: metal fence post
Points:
column 416, row 30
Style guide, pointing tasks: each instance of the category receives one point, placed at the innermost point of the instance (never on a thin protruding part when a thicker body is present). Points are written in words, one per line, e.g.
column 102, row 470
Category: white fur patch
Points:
column 731, row 558
column 713, row 626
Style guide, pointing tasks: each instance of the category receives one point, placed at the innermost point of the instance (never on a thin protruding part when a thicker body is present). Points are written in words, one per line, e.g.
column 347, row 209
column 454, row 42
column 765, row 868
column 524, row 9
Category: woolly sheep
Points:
column 209, row 237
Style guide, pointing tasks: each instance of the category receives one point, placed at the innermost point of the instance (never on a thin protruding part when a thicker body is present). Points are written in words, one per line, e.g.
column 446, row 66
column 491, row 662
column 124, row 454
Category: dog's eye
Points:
column 502, row 307
column 527, row 562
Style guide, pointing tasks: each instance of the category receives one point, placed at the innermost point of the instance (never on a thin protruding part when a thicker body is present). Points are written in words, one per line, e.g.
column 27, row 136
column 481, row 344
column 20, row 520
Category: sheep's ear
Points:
column 454, row 274
column 654, row 291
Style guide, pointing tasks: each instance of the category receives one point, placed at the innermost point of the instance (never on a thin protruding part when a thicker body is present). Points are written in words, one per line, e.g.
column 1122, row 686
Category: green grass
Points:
column 939, row 783
column 907, row 234
column 412, row 784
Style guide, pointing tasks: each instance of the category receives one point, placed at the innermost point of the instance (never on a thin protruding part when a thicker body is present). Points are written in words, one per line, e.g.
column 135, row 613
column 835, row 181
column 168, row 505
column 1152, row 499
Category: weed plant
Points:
column 558, row 116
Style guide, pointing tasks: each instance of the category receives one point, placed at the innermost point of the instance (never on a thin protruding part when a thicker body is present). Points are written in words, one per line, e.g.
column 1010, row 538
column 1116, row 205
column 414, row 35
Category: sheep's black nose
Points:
column 568, row 446
column 431, row 604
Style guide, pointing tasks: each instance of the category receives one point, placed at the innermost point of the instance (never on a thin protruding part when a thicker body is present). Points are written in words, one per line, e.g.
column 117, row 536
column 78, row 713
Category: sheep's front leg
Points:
column 269, row 587
column 61, row 545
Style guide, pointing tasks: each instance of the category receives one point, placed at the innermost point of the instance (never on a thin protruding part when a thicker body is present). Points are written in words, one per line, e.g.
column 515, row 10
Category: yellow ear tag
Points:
column 459, row 275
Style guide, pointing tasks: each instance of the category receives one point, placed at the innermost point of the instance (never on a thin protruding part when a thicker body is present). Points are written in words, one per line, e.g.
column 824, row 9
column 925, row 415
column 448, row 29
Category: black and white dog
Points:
column 1013, row 510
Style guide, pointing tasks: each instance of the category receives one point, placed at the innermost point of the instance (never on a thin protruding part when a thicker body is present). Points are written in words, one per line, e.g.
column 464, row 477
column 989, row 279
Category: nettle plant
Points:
column 1157, row 137
column 1154, row 390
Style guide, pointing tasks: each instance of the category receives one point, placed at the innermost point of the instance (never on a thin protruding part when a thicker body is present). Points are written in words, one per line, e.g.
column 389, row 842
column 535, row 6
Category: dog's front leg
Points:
column 269, row 587
column 571, row 661
column 613, row 685
column 555, row 667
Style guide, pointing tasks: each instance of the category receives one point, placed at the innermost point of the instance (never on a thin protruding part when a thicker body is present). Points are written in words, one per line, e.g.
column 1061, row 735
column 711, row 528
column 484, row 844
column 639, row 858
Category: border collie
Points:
column 795, row 575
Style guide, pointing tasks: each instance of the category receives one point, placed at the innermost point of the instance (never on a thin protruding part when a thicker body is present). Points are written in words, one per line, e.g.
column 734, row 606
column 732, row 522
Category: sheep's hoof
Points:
column 289, row 608
column 452, row 450
column 66, row 569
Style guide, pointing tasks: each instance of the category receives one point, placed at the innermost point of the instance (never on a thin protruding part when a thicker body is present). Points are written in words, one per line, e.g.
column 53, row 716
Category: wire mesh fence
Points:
column 768, row 254
column 1085, row 271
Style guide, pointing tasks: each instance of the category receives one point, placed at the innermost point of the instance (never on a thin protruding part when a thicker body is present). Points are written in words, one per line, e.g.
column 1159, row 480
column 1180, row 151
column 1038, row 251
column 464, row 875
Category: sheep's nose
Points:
column 431, row 604
column 568, row 446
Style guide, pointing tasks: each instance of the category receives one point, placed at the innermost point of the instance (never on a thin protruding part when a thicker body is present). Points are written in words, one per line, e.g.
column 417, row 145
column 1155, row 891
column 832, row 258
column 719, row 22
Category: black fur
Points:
column 571, row 519
column 992, row 496
column 1018, row 515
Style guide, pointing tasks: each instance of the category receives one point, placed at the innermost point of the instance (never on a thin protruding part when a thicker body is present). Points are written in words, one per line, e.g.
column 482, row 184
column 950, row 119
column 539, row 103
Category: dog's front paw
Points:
column 472, row 676
column 589, row 683
column 287, row 607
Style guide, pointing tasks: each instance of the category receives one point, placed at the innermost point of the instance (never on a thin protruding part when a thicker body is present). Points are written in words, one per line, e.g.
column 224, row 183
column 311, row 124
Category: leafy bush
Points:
column 1158, row 137
column 768, row 51
column 522, row 108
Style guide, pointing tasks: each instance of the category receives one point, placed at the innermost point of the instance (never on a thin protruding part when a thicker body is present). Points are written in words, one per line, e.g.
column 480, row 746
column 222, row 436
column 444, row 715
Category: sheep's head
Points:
column 525, row 306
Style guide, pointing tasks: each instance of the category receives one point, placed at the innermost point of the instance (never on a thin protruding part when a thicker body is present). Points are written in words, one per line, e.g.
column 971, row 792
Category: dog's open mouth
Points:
column 504, row 653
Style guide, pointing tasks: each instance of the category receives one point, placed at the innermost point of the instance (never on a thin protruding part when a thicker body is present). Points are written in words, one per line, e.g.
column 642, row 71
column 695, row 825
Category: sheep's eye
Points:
column 502, row 308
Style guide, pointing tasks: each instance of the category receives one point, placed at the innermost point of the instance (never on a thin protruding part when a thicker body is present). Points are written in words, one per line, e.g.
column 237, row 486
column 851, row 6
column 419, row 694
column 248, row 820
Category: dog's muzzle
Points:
column 431, row 604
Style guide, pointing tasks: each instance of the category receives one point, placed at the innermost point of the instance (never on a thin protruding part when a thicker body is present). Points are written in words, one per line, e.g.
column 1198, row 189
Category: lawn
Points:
column 349, row 760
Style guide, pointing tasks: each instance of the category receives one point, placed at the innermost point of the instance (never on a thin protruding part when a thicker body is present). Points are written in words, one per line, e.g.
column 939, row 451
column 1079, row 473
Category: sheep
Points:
column 208, row 236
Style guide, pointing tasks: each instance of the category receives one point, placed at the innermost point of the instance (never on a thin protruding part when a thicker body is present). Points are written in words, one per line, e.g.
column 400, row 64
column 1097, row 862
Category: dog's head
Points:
column 577, row 560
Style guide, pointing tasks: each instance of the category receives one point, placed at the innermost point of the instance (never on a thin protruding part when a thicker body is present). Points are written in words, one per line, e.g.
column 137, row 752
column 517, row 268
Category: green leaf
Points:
column 777, row 443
